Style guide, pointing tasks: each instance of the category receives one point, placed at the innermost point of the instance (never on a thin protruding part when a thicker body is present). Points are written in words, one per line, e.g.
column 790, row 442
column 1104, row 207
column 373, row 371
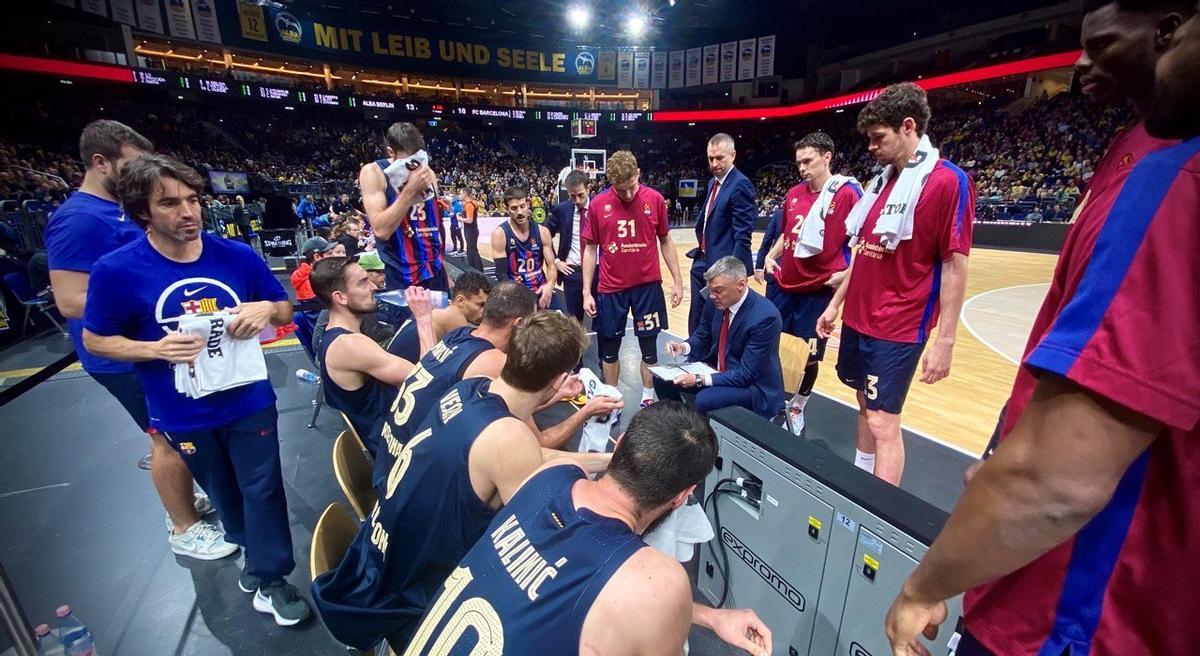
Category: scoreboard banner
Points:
column 332, row 37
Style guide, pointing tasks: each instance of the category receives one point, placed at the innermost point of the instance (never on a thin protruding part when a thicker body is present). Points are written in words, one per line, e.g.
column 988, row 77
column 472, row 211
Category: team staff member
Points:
column 593, row 572
column 629, row 221
column 726, row 219
column 807, row 282
column 359, row 377
column 1076, row 535
column 465, row 460
column 739, row 337
column 770, row 234
column 898, row 290
column 407, row 227
column 466, row 309
column 528, row 251
column 228, row 439
column 86, row 227
column 470, row 219
column 566, row 221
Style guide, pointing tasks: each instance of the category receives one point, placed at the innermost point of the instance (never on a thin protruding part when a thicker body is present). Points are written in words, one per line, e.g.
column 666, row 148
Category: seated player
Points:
column 628, row 221
column 562, row 567
column 738, row 336
column 528, row 251
column 466, row 308
column 464, row 461
column 359, row 377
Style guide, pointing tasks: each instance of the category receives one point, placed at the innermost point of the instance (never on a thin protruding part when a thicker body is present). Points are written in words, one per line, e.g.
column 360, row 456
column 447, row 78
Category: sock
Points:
column 799, row 401
column 864, row 461
column 648, row 393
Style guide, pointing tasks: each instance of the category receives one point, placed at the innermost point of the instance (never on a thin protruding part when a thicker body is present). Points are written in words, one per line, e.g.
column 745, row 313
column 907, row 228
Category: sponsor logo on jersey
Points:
column 188, row 448
column 612, row 247
column 607, row 207
column 646, row 209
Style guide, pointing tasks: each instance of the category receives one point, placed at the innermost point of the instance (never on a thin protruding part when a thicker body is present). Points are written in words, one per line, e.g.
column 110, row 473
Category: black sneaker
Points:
column 281, row 599
column 248, row 582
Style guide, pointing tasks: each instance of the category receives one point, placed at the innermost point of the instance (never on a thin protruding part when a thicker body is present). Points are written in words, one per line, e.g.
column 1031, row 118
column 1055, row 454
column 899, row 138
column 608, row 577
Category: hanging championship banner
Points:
column 149, row 16
column 693, row 67
column 205, row 14
column 729, row 61
column 641, row 70
column 766, row 56
column 607, row 63
column 746, row 59
column 658, row 70
column 710, row 64
column 122, row 11
column 625, row 69
column 179, row 19
column 676, row 69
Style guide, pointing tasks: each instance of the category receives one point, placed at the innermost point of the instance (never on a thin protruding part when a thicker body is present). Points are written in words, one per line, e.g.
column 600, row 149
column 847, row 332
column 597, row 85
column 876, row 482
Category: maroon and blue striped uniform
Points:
column 414, row 251
column 524, row 256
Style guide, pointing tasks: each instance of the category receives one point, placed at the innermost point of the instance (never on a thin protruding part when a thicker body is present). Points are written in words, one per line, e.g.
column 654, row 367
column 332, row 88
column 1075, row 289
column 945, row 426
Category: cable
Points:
column 723, row 563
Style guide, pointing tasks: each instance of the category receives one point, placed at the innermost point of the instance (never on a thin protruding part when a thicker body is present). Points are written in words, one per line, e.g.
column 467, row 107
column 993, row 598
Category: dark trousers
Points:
column 705, row 399
column 238, row 465
column 696, row 308
column 127, row 390
column 573, row 292
column 471, row 232
column 456, row 237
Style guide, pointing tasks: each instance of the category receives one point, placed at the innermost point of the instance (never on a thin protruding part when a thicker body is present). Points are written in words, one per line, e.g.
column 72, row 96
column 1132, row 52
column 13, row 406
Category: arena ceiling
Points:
column 860, row 25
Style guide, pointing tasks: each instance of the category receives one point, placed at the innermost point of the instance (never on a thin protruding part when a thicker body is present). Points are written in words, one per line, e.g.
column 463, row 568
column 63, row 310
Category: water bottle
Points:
column 48, row 643
column 396, row 297
column 307, row 376
column 76, row 639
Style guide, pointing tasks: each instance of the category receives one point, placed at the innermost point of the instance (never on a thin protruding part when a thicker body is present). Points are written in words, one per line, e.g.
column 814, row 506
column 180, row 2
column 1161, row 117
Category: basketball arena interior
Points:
column 891, row 308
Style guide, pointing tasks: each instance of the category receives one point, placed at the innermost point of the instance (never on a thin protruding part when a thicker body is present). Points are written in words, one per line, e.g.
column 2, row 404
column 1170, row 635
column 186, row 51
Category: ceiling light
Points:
column 635, row 26
column 578, row 17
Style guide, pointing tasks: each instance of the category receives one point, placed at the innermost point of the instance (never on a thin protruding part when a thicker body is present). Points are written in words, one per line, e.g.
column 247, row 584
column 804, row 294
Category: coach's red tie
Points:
column 721, row 342
column 712, row 197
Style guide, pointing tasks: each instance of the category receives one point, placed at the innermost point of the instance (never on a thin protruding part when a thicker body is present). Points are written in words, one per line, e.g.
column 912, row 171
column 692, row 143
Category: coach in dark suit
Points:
column 726, row 219
column 566, row 221
column 738, row 336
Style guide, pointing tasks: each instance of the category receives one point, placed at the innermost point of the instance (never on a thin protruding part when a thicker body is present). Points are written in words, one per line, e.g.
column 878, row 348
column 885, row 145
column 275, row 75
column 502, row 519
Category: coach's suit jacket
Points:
column 731, row 222
column 561, row 221
column 752, row 351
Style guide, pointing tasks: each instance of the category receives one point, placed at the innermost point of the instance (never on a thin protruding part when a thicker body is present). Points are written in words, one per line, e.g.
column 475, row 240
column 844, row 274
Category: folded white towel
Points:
column 597, row 431
column 680, row 531
column 812, row 229
column 224, row 362
column 895, row 222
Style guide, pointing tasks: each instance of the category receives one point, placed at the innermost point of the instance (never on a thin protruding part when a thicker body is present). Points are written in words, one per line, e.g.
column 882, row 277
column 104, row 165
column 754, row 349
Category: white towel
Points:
column 597, row 431
column 224, row 362
column 812, row 230
column 397, row 172
column 895, row 223
column 680, row 531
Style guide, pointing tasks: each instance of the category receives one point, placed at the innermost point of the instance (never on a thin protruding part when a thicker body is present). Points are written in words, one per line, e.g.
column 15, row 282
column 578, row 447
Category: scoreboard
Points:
column 379, row 106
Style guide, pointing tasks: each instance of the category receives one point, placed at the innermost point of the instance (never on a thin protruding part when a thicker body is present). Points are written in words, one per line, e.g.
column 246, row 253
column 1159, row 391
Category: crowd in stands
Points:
column 1028, row 163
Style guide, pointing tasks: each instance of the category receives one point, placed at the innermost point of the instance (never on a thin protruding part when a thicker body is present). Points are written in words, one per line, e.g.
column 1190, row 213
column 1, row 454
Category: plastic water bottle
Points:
column 395, row 297
column 76, row 639
column 48, row 643
column 307, row 376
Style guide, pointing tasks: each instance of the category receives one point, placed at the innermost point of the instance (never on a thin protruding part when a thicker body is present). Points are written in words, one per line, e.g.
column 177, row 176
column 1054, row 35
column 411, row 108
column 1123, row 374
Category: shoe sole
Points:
column 209, row 556
column 243, row 588
column 263, row 605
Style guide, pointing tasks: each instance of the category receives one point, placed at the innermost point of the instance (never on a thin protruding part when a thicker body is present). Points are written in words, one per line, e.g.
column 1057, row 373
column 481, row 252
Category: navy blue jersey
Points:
column 527, row 586
column 364, row 406
column 414, row 251
column 135, row 292
column 427, row 517
column 524, row 256
column 406, row 343
column 440, row 369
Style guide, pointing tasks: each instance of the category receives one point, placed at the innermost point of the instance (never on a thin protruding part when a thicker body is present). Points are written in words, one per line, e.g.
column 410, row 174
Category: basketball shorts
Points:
column 881, row 369
column 800, row 311
column 645, row 301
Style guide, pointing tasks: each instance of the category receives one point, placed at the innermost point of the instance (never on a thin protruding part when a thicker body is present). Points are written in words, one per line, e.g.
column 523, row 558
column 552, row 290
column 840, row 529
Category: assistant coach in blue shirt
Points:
column 725, row 222
column 738, row 336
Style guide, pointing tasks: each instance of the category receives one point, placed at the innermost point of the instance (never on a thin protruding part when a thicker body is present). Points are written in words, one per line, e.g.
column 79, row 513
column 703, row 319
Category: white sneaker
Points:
column 204, row 508
column 796, row 418
column 202, row 541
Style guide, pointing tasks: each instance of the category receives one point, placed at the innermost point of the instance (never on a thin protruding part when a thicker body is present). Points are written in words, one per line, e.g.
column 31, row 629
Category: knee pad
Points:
column 609, row 347
column 649, row 347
